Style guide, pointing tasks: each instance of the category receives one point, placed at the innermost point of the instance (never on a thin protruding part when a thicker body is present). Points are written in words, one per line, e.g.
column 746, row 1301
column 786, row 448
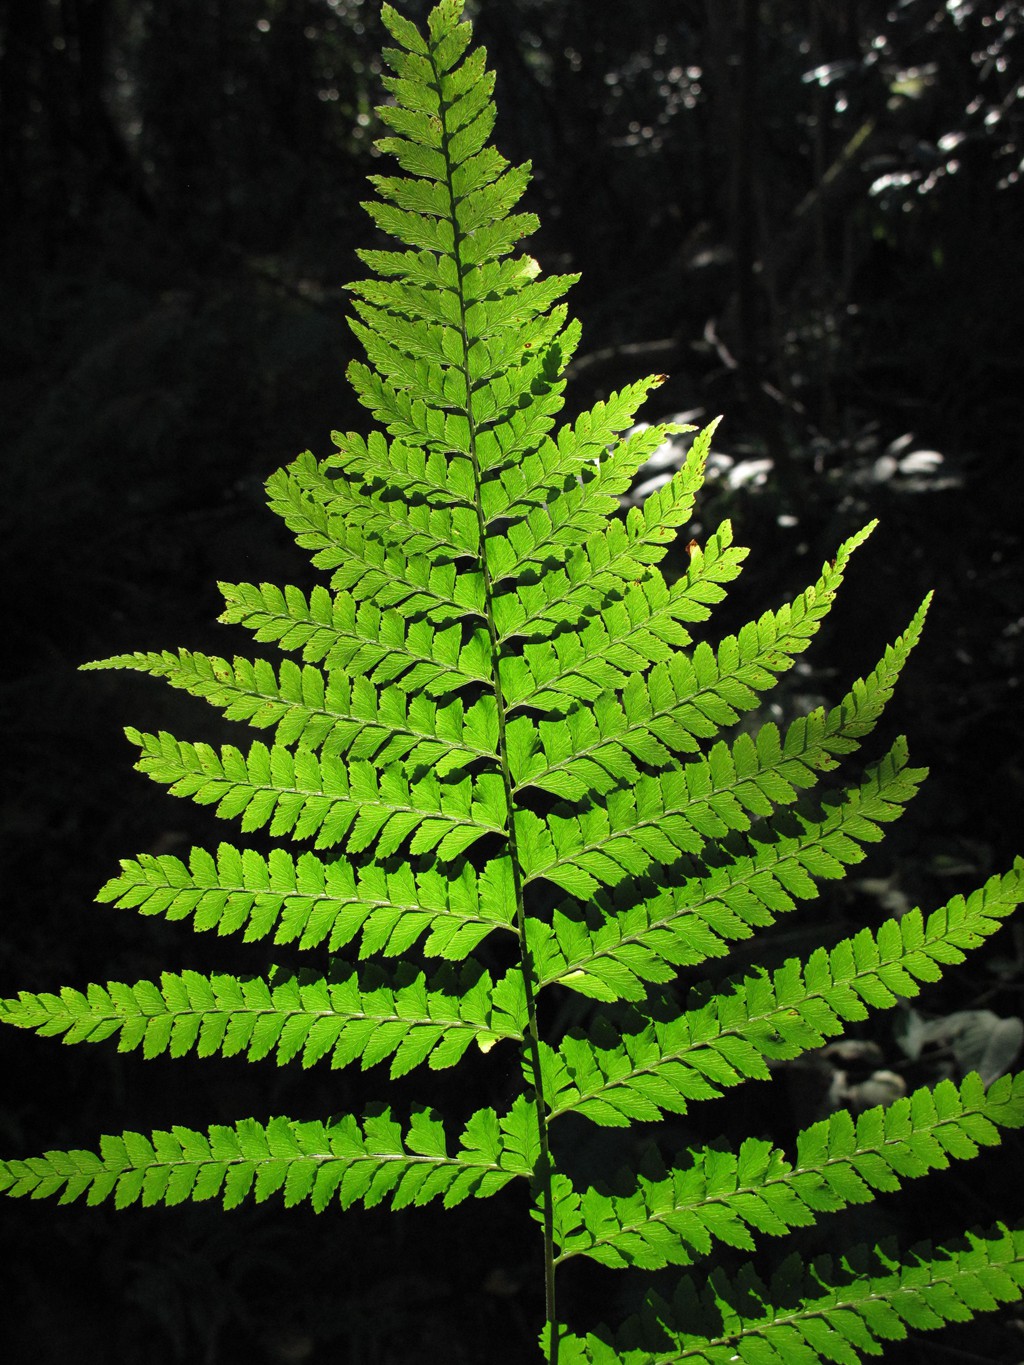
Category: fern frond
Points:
column 429, row 360
column 335, row 715
column 344, row 1160
column 348, row 1017
column 727, row 1196
column 734, row 1035
column 679, row 811
column 418, row 587
column 607, row 562
column 712, row 565
column 307, row 901
column 682, row 925
column 361, row 639
column 337, row 803
column 500, row 408
column 518, row 750
column 636, row 628
column 318, row 508
column 445, row 479
column 579, row 451
column 825, row 1311
column 680, row 703
column 511, row 289
column 459, row 193
column 559, row 499
column 630, row 635
column 427, row 367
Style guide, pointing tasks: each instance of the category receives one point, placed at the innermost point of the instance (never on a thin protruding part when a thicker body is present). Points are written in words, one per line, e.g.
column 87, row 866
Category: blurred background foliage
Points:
column 808, row 213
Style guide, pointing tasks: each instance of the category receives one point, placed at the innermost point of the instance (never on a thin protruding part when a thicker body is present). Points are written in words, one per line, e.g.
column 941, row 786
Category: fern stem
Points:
column 532, row 1034
column 531, row 1041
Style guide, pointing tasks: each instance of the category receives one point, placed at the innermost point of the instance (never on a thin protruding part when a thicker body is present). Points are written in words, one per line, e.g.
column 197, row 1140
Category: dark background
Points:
column 807, row 213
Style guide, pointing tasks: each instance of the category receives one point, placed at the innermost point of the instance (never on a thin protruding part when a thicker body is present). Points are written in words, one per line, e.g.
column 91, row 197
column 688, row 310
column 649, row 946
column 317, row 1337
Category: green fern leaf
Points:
column 877, row 1299
column 685, row 924
column 591, row 748
column 320, row 510
column 346, row 1018
column 344, row 1161
column 359, row 640
column 679, row 812
column 731, row 1037
column 504, row 751
column 337, row 803
column 729, row 1197
column 335, row 715
column 309, row 902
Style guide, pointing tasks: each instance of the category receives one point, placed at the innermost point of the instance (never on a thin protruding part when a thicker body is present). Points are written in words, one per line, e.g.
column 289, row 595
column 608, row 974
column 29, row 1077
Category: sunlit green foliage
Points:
column 514, row 765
